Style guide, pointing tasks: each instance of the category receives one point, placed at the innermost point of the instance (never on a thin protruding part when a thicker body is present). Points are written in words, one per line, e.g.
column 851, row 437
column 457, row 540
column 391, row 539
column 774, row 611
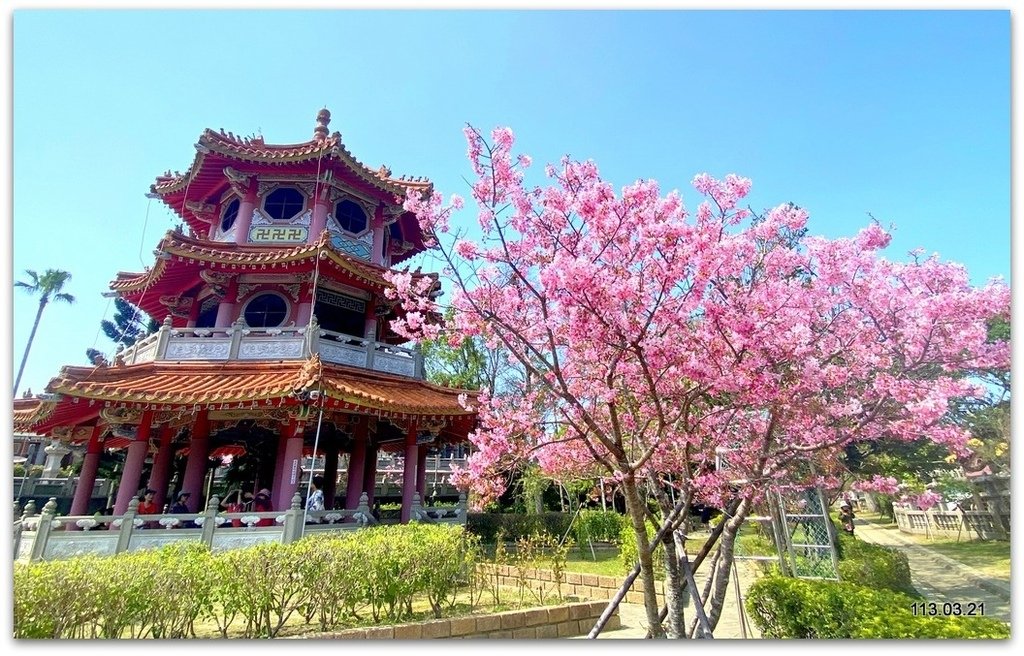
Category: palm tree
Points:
column 48, row 287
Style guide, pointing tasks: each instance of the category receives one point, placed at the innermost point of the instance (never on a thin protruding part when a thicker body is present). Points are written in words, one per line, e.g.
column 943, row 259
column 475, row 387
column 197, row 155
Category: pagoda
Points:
column 276, row 343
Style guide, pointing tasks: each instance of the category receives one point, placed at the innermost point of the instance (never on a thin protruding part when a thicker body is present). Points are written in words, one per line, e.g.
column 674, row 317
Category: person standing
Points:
column 261, row 504
column 147, row 506
column 181, row 507
column 846, row 517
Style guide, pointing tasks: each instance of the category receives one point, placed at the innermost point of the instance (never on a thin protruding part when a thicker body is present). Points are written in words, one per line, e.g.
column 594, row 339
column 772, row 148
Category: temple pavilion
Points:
column 275, row 339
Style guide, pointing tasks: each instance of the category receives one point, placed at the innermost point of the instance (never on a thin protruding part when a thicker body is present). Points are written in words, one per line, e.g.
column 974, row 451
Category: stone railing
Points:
column 238, row 342
column 967, row 524
column 40, row 486
column 49, row 536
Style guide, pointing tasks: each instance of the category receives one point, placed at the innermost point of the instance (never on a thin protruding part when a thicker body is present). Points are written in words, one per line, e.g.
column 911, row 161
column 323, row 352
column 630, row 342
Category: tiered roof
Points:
column 181, row 259
column 205, row 178
column 80, row 392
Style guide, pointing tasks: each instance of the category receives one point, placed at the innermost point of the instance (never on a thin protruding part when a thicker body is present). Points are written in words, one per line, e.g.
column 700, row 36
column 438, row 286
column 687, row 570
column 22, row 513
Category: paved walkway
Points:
column 634, row 618
column 936, row 576
column 940, row 578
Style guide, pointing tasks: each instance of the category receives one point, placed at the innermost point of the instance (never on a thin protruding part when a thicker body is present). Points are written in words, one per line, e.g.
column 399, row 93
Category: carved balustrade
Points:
column 238, row 342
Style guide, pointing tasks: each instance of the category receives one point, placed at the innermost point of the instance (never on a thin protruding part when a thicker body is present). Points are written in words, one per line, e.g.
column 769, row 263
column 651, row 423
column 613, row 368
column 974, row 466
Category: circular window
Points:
column 282, row 204
column 266, row 311
column 230, row 214
column 350, row 216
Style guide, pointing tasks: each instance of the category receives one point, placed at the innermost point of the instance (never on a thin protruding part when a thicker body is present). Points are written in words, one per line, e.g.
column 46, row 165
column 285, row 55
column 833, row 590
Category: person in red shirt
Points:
column 262, row 504
column 148, row 507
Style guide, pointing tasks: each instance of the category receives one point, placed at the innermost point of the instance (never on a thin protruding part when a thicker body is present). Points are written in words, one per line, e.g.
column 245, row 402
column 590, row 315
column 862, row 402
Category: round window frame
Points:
column 260, row 294
column 266, row 197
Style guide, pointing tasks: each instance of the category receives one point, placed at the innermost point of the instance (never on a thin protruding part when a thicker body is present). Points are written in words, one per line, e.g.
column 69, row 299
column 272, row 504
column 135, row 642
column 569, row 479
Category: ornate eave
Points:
column 182, row 259
column 251, row 385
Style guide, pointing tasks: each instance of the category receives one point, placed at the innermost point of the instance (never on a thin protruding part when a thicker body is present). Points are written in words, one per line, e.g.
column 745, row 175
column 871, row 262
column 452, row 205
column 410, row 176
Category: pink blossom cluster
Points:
column 924, row 501
column 650, row 337
column 880, row 484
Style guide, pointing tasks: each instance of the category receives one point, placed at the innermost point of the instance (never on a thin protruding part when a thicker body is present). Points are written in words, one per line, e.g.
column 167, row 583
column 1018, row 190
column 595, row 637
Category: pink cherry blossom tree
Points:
column 653, row 338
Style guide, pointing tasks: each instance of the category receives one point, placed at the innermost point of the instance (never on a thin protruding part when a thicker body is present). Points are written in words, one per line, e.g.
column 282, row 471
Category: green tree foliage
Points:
column 48, row 286
column 130, row 324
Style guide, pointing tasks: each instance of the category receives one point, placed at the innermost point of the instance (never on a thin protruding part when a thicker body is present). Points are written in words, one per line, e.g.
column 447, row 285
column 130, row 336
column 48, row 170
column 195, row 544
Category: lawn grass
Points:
column 990, row 557
column 607, row 563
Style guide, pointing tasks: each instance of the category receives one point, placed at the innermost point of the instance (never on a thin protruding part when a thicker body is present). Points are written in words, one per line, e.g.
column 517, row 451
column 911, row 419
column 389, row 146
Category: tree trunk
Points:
column 31, row 338
column 721, row 573
column 638, row 518
column 674, row 587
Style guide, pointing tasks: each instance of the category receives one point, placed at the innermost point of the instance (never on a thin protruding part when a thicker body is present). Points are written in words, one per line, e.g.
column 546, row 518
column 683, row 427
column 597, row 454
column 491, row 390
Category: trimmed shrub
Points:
column 795, row 608
column 516, row 525
column 594, row 525
column 325, row 579
column 874, row 566
column 629, row 555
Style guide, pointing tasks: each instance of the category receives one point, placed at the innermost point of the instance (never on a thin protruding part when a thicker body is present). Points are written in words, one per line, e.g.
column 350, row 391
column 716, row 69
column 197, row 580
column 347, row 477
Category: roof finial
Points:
column 323, row 119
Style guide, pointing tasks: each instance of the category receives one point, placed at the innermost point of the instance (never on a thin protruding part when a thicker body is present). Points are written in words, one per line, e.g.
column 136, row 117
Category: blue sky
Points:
column 905, row 115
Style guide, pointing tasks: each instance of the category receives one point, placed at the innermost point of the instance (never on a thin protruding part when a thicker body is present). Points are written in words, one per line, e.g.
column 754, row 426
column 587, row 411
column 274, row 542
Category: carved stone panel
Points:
column 198, row 349
column 394, row 365
column 338, row 354
column 270, row 349
column 99, row 543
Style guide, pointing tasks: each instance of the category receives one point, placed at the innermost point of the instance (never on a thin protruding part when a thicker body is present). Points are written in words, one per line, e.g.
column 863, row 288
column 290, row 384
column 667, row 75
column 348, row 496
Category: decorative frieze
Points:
column 270, row 349
column 339, row 354
column 198, row 349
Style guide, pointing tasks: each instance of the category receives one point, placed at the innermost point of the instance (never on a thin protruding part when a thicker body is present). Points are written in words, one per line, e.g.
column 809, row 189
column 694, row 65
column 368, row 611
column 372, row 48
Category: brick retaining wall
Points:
column 574, row 584
column 546, row 622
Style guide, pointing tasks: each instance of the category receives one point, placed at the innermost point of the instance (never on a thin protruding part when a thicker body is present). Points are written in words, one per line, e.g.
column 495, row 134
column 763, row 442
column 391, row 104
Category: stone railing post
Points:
column 163, row 336
column 460, row 508
column 371, row 350
column 363, row 515
column 236, row 339
column 124, row 535
column 417, row 361
column 210, row 521
column 416, row 512
column 293, row 525
column 18, row 528
column 43, row 530
column 29, row 511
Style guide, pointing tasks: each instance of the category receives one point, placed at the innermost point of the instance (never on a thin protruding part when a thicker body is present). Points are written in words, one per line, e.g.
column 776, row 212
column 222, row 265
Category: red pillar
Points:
column 226, row 309
column 377, row 250
column 370, row 325
column 161, row 473
column 291, row 435
column 319, row 220
column 195, row 467
column 421, row 472
column 279, row 466
column 409, row 472
column 87, row 479
column 305, row 308
column 370, row 472
column 356, row 466
column 244, row 220
column 330, row 474
column 133, row 462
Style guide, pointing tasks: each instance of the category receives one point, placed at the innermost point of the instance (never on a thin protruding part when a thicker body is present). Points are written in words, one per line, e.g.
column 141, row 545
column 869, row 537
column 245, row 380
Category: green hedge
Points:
column 517, row 525
column 594, row 525
column 874, row 566
column 784, row 607
column 328, row 580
